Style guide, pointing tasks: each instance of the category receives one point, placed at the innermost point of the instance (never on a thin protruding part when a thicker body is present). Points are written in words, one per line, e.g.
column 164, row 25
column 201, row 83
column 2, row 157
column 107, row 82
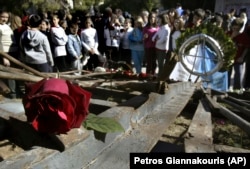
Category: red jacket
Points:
column 242, row 42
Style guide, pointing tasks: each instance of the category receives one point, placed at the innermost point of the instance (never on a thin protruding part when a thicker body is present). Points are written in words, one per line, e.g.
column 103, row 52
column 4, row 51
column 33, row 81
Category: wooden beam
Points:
column 17, row 62
column 20, row 76
column 199, row 136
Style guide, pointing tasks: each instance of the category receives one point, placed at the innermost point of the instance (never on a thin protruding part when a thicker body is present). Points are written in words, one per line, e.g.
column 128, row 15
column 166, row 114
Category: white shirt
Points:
column 175, row 36
column 7, row 39
column 89, row 38
column 59, row 39
column 162, row 37
column 113, row 36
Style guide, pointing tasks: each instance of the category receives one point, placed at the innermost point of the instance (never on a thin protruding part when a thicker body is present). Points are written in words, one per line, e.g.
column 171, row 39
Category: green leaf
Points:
column 102, row 124
column 228, row 46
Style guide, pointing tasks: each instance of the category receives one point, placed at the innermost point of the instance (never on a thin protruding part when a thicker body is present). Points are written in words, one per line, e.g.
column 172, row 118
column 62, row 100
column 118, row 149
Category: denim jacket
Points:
column 136, row 40
column 74, row 46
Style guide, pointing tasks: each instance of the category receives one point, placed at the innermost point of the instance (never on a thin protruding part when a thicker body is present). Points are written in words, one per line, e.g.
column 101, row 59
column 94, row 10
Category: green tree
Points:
column 205, row 4
column 134, row 7
column 83, row 4
column 45, row 5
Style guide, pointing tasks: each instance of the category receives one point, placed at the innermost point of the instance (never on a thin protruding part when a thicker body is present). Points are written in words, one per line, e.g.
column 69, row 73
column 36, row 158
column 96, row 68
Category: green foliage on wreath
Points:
column 227, row 45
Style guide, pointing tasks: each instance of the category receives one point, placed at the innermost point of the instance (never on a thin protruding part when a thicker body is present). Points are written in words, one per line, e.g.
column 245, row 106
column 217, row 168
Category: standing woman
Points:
column 178, row 29
column 125, row 51
column 8, row 45
column 58, row 43
column 149, row 46
column 16, row 26
column 112, row 36
column 74, row 48
column 7, row 41
column 161, row 39
column 89, row 41
column 173, row 15
column 136, row 45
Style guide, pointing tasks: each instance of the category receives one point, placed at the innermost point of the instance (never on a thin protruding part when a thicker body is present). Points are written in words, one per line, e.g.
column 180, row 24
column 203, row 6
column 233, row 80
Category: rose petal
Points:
column 33, row 88
column 51, row 124
column 62, row 115
column 82, row 98
column 55, row 85
column 65, row 105
column 44, row 115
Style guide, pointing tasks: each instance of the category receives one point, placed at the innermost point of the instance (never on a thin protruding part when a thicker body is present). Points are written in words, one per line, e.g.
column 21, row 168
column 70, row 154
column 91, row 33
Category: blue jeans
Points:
column 137, row 58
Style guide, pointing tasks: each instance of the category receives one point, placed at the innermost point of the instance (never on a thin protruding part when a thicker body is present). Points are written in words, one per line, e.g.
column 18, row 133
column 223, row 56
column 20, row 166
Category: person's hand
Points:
column 6, row 62
column 155, row 39
column 234, row 34
column 51, row 64
column 92, row 51
column 240, row 60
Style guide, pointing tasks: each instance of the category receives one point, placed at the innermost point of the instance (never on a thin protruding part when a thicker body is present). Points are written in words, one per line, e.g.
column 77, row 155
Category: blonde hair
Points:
column 88, row 19
column 15, row 22
column 181, row 23
column 139, row 21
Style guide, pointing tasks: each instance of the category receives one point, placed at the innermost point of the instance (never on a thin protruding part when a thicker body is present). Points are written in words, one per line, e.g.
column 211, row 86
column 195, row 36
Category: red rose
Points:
column 55, row 105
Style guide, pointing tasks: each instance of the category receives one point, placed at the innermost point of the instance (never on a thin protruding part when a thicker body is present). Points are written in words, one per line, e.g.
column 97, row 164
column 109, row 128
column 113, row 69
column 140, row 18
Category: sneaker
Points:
column 241, row 91
column 230, row 89
column 238, row 91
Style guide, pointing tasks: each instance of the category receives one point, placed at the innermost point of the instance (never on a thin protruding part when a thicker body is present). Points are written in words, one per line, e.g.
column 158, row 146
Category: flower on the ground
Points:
column 55, row 105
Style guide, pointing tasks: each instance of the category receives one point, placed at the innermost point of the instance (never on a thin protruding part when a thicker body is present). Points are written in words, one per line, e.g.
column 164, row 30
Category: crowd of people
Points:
column 62, row 41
